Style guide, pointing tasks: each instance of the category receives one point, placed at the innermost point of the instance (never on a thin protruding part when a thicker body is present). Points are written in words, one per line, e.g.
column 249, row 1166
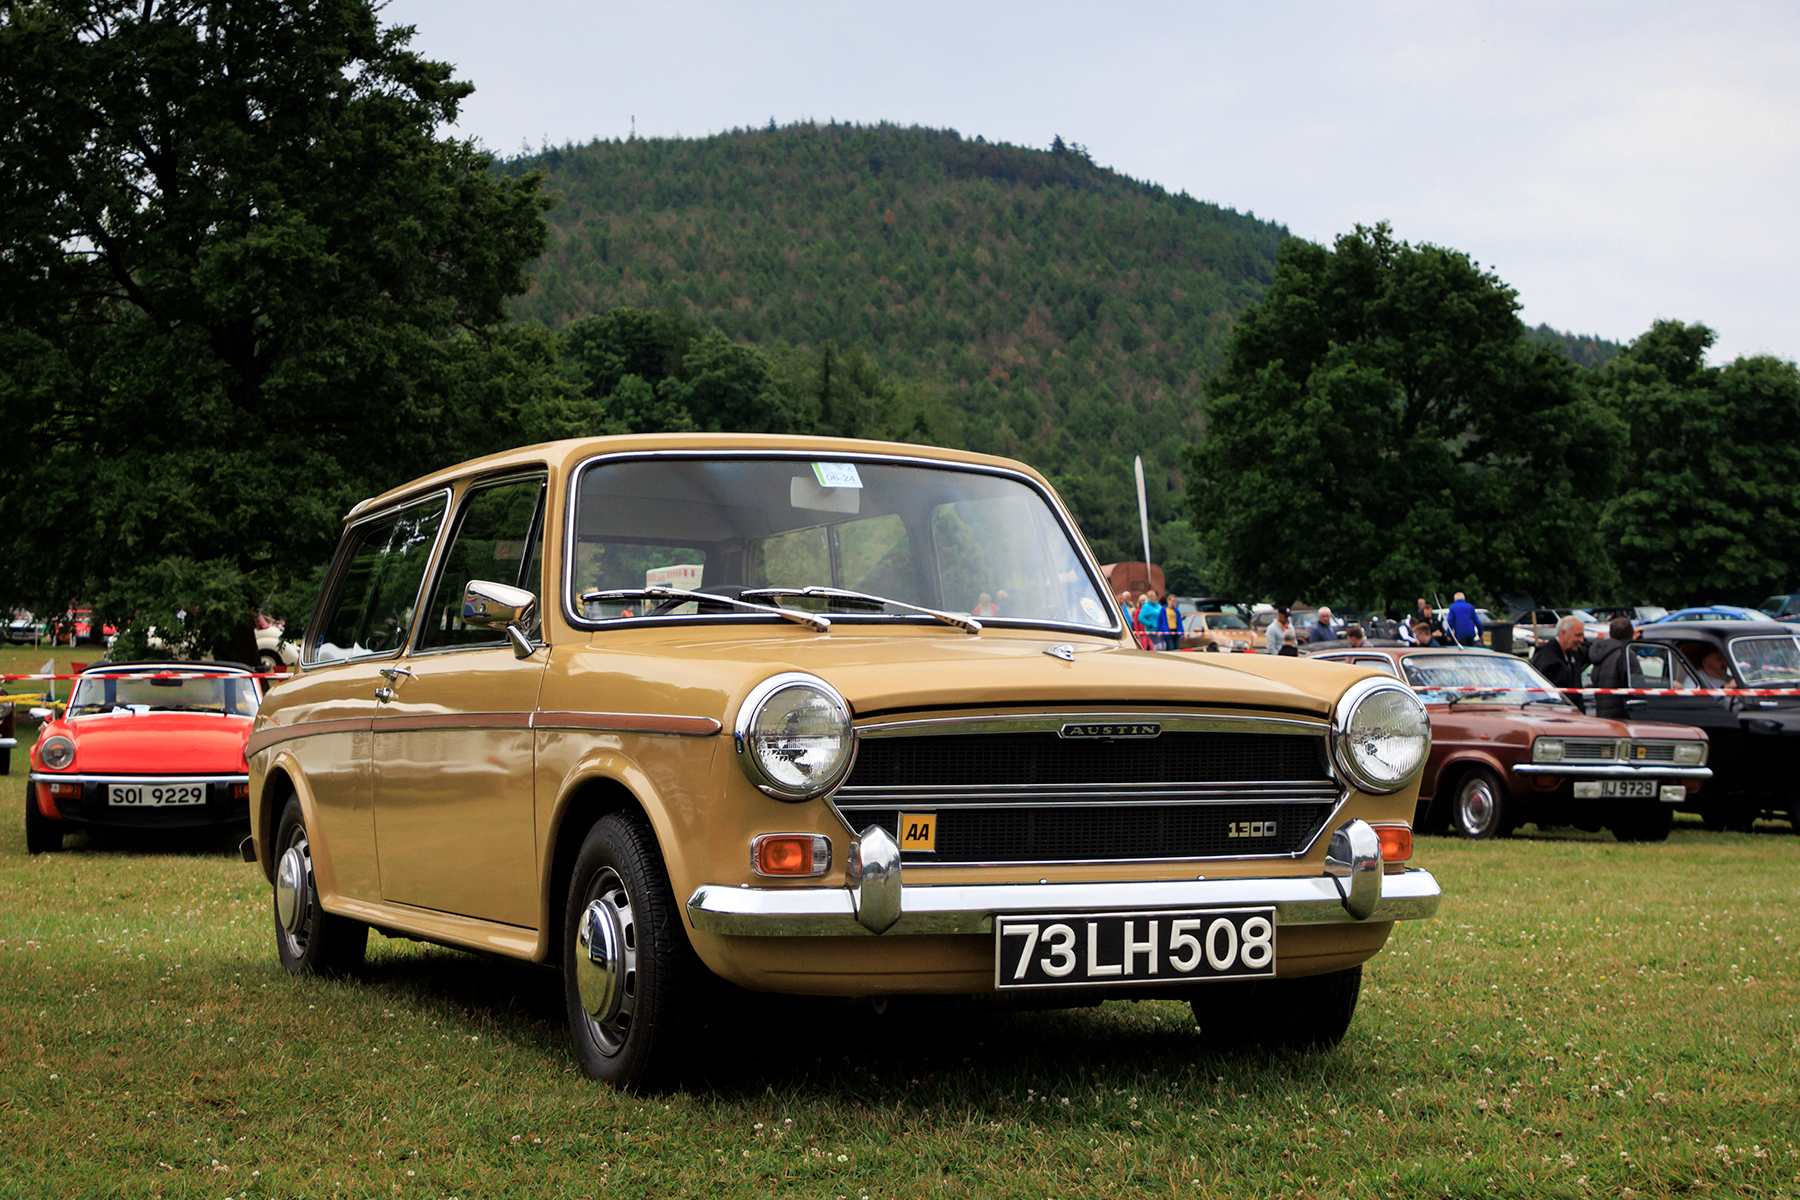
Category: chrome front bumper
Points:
column 1614, row 771
column 1355, row 888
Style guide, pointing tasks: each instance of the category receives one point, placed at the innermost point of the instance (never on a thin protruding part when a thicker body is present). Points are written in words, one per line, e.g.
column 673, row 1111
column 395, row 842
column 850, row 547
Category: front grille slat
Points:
column 1033, row 796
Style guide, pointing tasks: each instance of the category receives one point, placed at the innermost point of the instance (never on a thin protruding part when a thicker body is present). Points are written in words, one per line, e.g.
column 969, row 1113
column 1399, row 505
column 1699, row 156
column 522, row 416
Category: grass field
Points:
column 1584, row 1019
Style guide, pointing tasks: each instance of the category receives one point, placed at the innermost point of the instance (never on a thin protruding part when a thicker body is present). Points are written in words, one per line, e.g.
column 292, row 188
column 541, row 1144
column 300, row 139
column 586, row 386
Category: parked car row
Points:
column 1729, row 759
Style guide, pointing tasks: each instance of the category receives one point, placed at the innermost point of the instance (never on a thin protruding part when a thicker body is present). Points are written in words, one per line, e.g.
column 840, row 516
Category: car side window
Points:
column 499, row 539
column 372, row 607
column 1648, row 666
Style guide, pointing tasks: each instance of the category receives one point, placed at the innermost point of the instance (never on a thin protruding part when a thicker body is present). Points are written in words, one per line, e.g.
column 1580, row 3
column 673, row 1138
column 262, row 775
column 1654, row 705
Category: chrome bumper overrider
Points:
column 876, row 901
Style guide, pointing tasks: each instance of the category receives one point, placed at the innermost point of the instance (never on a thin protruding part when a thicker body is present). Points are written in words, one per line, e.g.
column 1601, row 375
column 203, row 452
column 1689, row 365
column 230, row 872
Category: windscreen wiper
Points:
column 1484, row 694
column 812, row 621
column 1552, row 698
column 966, row 624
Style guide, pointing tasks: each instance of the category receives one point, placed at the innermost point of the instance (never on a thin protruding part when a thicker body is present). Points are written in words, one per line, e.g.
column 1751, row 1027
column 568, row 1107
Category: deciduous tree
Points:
column 1708, row 509
column 243, row 283
column 1382, row 428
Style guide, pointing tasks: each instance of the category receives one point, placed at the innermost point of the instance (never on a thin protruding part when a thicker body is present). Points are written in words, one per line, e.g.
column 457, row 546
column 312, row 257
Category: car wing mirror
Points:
column 488, row 605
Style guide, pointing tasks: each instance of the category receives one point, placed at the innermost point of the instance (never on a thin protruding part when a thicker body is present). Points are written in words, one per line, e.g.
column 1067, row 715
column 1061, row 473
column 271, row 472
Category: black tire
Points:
column 308, row 940
column 1310, row 1013
column 6, row 764
column 1793, row 813
column 1651, row 825
column 42, row 835
column 625, row 946
column 1479, row 809
column 268, row 662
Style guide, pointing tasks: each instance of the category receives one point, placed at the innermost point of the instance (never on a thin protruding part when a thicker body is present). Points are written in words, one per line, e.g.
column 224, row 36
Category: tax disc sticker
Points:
column 1092, row 608
column 837, row 475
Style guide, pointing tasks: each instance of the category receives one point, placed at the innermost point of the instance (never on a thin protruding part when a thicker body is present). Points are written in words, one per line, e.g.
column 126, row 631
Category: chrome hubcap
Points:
column 293, row 894
column 1478, row 808
column 290, row 890
column 606, row 961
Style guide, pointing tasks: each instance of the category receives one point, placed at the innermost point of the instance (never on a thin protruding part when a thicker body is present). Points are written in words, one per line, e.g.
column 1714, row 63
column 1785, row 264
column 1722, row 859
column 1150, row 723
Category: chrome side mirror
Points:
column 489, row 605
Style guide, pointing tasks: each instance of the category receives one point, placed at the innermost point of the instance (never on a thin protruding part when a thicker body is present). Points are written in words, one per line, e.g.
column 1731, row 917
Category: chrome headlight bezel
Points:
column 749, row 750
column 57, row 746
column 1343, row 719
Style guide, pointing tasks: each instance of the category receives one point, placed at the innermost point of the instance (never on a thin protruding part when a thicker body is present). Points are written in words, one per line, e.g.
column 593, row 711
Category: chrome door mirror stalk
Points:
column 489, row 605
column 1353, row 860
column 873, row 870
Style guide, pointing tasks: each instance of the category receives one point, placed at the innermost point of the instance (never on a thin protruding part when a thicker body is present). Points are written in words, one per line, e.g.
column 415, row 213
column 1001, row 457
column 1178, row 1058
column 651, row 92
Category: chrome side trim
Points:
column 971, row 908
column 273, row 735
column 1616, row 771
column 1052, row 722
column 603, row 722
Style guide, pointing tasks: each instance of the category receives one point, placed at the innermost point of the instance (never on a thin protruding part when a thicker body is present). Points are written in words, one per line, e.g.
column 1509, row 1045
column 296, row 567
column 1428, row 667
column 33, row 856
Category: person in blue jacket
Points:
column 1461, row 622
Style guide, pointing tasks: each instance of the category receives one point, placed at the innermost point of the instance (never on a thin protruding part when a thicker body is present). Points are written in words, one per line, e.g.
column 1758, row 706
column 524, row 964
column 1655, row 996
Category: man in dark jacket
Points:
column 1611, row 663
column 1560, row 659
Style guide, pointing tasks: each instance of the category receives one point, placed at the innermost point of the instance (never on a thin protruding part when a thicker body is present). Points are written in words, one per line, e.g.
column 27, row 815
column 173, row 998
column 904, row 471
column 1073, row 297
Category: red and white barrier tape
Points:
column 1787, row 691
column 158, row 675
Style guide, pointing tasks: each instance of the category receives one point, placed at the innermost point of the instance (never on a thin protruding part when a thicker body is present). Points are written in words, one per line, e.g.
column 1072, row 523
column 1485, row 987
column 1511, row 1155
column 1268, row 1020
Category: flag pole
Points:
column 1143, row 515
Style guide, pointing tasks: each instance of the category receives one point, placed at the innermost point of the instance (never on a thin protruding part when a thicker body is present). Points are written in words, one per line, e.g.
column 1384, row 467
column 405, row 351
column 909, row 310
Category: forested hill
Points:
column 1069, row 313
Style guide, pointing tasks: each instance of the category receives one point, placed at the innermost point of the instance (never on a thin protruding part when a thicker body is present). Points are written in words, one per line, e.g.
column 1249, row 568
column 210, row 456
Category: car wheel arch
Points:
column 1453, row 772
column 584, row 802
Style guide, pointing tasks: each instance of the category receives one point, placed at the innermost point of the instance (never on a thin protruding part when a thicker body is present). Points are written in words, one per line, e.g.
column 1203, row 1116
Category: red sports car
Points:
column 144, row 745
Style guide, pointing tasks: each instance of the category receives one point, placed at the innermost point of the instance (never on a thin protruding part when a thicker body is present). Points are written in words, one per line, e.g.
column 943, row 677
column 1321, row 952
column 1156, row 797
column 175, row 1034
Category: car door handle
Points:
column 393, row 673
column 1636, row 703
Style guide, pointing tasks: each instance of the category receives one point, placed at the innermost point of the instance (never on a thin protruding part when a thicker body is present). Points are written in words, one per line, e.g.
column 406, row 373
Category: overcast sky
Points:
column 1613, row 162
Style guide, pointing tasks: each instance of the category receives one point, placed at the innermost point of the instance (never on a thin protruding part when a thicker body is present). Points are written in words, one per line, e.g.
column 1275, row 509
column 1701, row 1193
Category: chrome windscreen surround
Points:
column 1179, row 806
column 1345, row 710
column 746, row 754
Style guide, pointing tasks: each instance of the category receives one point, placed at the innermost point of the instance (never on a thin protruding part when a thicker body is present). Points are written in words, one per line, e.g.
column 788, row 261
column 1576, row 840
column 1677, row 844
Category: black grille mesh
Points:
column 1109, row 832
column 989, row 759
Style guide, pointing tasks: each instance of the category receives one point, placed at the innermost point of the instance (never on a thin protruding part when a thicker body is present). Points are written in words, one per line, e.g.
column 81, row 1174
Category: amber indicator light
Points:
column 1396, row 842
column 785, row 855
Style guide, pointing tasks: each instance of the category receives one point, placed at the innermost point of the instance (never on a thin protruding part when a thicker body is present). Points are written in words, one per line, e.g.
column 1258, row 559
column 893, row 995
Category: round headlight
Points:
column 794, row 738
column 1383, row 735
column 57, row 752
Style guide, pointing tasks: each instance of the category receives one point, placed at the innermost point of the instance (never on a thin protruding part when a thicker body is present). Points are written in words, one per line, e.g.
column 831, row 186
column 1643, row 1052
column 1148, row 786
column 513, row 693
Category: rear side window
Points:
column 499, row 539
column 371, row 608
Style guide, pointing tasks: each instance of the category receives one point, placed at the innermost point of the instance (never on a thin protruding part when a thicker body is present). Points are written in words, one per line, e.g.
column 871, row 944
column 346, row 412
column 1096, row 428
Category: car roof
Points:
column 568, row 454
column 1715, row 631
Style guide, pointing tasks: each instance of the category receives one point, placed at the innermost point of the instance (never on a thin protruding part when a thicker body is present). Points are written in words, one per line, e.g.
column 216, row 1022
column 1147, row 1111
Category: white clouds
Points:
column 1615, row 162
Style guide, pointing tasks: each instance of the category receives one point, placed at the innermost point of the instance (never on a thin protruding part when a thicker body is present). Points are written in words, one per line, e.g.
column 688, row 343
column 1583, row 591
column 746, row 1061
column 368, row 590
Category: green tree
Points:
column 1709, row 510
column 243, row 283
column 1382, row 427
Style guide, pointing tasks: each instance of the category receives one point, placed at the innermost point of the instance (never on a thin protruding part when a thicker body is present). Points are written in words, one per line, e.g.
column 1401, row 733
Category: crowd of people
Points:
column 1157, row 623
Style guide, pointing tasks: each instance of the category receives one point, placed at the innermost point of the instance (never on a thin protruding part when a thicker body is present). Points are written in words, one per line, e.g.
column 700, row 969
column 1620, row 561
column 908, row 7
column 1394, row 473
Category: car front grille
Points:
column 1030, row 791
column 1590, row 750
column 1652, row 752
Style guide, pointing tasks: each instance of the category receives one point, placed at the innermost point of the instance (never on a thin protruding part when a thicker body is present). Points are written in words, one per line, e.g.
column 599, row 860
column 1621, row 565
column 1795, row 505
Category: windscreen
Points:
column 1767, row 661
column 234, row 696
column 1494, row 678
column 957, row 540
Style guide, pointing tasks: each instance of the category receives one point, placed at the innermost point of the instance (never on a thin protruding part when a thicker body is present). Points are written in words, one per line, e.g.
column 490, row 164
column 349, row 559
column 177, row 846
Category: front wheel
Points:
column 630, row 978
column 1479, row 810
column 42, row 835
column 1310, row 1013
column 1652, row 825
column 308, row 940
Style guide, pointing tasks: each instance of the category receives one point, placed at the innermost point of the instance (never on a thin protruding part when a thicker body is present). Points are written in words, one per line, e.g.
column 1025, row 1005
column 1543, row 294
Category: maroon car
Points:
column 1507, row 748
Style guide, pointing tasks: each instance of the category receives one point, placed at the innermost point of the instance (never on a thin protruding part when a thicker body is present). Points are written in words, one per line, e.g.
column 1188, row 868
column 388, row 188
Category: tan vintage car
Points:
column 753, row 734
